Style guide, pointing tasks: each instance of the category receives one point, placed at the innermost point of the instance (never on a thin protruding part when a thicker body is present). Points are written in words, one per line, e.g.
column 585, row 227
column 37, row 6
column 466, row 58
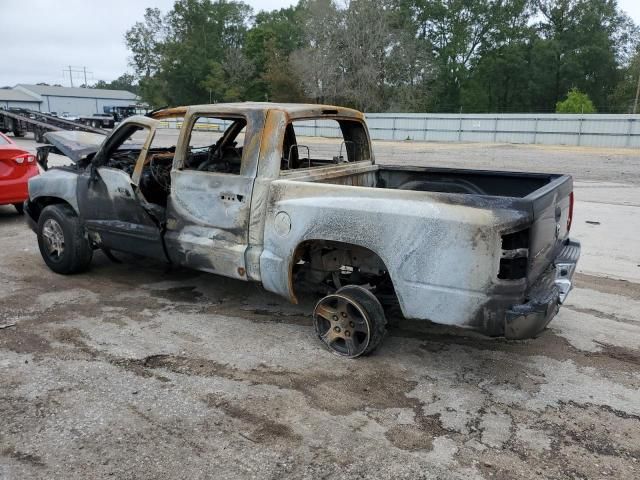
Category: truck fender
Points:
column 53, row 186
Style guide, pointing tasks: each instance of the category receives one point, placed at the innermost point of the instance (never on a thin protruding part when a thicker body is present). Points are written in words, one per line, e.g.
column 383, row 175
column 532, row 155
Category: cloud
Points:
column 49, row 35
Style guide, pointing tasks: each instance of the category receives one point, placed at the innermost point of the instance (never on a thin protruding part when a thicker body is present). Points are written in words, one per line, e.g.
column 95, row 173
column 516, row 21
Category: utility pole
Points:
column 635, row 103
column 77, row 70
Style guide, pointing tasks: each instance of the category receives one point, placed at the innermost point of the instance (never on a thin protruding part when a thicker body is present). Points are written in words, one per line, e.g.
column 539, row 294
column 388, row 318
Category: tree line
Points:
column 389, row 55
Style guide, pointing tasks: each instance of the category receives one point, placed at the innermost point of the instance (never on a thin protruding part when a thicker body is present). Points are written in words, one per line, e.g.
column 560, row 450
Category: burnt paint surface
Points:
column 208, row 213
column 114, row 216
column 442, row 250
column 443, row 258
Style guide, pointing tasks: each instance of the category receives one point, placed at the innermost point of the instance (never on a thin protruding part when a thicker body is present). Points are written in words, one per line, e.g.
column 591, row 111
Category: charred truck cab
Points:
column 265, row 203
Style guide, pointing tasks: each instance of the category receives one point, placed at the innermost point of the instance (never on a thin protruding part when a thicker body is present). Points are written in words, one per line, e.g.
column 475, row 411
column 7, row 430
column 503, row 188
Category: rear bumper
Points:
column 16, row 190
column 528, row 319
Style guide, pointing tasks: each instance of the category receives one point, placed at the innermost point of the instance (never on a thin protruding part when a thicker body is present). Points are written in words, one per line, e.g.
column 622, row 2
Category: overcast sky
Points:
column 42, row 37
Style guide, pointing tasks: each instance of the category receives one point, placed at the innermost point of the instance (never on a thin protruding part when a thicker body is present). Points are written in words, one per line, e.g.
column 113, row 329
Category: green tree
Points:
column 317, row 63
column 456, row 30
column 178, row 57
column 268, row 44
column 126, row 81
column 281, row 82
column 227, row 81
column 582, row 43
column 576, row 102
column 411, row 55
column 623, row 97
column 144, row 40
column 200, row 34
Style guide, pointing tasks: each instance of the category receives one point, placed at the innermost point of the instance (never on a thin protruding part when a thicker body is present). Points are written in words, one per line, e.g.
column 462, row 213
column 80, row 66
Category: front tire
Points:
column 62, row 241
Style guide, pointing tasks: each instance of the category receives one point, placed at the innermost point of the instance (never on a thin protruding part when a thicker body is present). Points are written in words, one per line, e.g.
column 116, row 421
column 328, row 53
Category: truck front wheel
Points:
column 350, row 322
column 62, row 241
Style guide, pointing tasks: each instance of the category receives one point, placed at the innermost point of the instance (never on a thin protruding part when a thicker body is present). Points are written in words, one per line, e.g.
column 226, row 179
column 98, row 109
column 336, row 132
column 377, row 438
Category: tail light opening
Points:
column 570, row 216
column 515, row 255
column 24, row 159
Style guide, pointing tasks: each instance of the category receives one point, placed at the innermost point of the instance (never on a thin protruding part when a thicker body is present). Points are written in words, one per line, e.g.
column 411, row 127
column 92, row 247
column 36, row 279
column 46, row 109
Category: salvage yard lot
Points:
column 135, row 371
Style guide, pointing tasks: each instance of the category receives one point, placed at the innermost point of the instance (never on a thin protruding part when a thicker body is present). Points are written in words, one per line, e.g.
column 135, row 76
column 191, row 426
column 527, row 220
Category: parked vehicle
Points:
column 98, row 120
column 479, row 249
column 20, row 121
column 17, row 166
column 69, row 116
column 119, row 112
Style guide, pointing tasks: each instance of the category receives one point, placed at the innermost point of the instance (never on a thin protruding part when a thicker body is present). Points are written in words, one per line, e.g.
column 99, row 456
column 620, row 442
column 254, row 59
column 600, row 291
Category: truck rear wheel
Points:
column 350, row 322
column 62, row 242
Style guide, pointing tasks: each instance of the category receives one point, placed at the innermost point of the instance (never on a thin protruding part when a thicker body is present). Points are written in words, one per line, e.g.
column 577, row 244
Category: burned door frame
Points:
column 111, row 205
column 208, row 213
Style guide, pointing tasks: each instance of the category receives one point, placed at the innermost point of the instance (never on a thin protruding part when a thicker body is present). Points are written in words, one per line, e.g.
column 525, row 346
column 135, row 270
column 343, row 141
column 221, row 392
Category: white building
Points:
column 12, row 98
column 76, row 101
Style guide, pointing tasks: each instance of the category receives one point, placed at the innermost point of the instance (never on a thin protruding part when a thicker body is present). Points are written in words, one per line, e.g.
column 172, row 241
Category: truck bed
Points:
column 499, row 184
column 544, row 198
column 428, row 179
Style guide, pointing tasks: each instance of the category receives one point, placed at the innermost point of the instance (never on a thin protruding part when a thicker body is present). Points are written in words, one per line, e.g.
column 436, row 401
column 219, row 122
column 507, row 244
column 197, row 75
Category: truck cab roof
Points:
column 292, row 110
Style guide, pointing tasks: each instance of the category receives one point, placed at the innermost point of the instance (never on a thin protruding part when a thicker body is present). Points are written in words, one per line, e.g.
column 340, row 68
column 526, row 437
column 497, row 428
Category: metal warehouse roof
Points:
column 78, row 92
column 11, row 95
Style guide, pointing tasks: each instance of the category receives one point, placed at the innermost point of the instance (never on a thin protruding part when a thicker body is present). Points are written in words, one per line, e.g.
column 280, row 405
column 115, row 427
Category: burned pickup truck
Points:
column 266, row 203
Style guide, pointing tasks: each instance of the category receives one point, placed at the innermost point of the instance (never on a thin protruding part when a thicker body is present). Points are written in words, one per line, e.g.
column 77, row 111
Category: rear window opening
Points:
column 321, row 142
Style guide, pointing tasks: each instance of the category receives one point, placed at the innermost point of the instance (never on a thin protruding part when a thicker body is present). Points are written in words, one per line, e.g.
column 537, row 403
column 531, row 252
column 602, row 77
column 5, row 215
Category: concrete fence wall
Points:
column 604, row 130
column 594, row 130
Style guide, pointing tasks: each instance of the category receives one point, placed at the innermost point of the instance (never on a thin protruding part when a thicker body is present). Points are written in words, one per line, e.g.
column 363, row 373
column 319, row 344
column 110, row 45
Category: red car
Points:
column 17, row 166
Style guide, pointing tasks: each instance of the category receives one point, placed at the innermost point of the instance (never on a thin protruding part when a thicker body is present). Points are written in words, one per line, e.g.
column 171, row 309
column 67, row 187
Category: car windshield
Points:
column 3, row 141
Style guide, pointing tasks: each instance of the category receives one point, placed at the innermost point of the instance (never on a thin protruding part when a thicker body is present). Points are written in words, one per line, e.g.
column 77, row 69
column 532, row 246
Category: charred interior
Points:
column 123, row 153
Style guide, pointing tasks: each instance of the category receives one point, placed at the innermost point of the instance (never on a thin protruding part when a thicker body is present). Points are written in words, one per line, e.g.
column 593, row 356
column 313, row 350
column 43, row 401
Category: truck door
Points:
column 114, row 211
column 209, row 206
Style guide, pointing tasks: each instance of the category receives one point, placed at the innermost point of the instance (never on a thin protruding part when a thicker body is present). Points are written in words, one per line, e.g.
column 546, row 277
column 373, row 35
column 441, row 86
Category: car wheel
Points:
column 350, row 322
column 62, row 240
column 19, row 207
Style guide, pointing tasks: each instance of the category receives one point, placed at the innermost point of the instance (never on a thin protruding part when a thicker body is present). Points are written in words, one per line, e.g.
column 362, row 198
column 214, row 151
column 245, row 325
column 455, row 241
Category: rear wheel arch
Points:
column 360, row 256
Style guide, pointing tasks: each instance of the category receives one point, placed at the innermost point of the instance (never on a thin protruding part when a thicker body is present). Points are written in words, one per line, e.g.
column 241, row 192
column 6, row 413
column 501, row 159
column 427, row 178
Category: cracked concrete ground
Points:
column 133, row 371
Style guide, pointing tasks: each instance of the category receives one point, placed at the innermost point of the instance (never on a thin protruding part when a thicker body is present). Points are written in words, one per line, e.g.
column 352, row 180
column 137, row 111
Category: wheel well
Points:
column 36, row 206
column 324, row 266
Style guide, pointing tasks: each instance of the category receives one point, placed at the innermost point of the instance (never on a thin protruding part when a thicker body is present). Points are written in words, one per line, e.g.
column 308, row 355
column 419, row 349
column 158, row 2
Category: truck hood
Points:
column 75, row 144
